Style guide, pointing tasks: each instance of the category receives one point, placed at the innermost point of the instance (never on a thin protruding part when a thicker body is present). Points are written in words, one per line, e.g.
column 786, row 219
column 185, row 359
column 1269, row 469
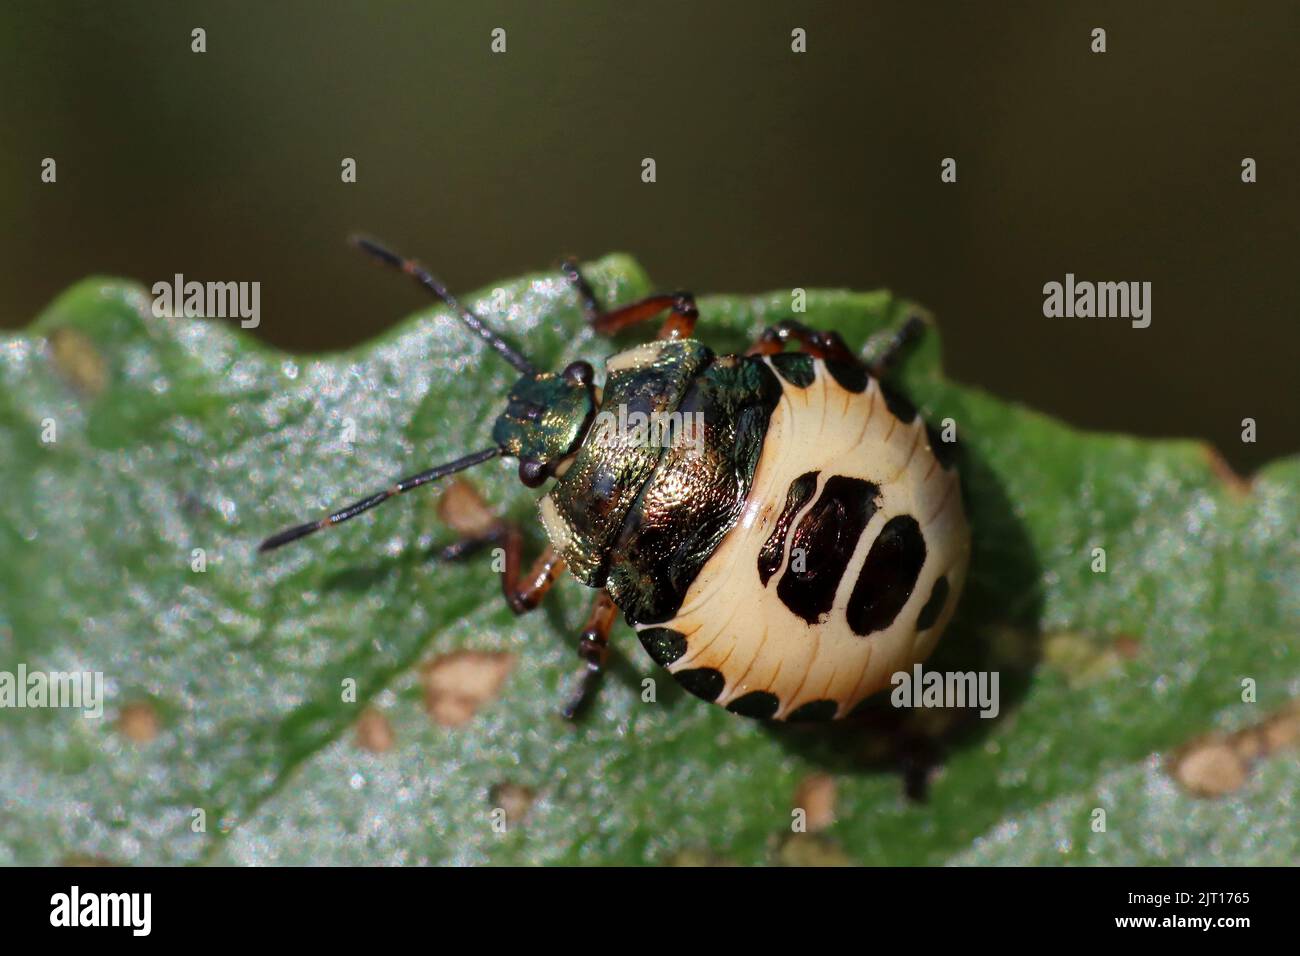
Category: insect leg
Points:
column 467, row 513
column 593, row 647
column 682, row 313
column 903, row 338
column 822, row 345
column 523, row 596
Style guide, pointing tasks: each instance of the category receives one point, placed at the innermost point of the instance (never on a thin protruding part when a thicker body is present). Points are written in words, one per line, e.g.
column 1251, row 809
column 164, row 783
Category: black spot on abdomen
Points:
column 898, row 403
column 773, row 551
column 663, row 644
column 944, row 451
column 795, row 367
column 849, row 376
column 822, row 544
column 814, row 710
column 888, row 575
column 704, row 682
column 757, row 703
column 934, row 606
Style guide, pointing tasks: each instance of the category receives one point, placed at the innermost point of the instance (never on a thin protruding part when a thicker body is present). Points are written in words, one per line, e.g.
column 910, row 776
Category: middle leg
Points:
column 682, row 313
column 467, row 513
column 593, row 648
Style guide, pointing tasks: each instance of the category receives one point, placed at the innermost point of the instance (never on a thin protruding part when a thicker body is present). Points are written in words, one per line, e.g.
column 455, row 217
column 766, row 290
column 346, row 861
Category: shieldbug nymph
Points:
column 808, row 542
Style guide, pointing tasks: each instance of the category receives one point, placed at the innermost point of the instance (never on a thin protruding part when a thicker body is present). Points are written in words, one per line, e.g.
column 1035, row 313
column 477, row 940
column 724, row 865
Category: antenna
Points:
column 378, row 498
column 434, row 285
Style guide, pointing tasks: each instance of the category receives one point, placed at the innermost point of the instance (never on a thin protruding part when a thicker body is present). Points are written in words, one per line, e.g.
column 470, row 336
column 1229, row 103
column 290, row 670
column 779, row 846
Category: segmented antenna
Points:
column 434, row 285
column 378, row 498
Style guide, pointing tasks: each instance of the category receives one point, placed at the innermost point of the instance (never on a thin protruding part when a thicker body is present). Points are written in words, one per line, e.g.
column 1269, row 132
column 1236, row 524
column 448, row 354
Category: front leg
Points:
column 593, row 648
column 467, row 513
column 523, row 596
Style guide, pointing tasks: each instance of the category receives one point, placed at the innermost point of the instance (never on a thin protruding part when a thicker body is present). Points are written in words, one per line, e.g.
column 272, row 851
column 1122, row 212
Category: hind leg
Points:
column 818, row 344
column 829, row 346
column 593, row 648
column 903, row 338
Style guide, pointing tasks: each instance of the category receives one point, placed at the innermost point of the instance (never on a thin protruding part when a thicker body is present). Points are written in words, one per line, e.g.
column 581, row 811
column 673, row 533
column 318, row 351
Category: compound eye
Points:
column 532, row 472
column 579, row 373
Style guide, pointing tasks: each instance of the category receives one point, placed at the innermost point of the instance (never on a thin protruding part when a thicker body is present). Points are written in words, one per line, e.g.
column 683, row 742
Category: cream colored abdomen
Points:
column 738, row 626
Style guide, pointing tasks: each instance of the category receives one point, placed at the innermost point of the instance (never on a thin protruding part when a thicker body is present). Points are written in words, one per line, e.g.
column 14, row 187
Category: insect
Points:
column 808, row 544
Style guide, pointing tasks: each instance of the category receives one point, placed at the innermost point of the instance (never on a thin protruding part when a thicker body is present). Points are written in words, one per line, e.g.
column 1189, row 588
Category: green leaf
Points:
column 177, row 434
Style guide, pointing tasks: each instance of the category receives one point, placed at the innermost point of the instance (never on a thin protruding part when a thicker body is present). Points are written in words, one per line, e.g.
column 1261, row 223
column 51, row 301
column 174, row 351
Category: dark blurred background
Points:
column 774, row 170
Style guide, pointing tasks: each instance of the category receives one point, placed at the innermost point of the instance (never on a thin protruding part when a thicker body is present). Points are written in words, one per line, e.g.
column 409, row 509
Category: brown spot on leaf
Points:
column 138, row 722
column 374, row 732
column 815, row 795
column 514, row 800
column 1127, row 646
column 79, row 362
column 1220, row 763
column 456, row 685
column 1083, row 660
column 1211, row 769
column 1283, row 731
column 462, row 508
